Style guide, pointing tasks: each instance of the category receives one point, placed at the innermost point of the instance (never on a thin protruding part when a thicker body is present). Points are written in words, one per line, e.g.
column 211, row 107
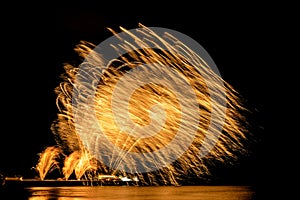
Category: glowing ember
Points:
column 158, row 111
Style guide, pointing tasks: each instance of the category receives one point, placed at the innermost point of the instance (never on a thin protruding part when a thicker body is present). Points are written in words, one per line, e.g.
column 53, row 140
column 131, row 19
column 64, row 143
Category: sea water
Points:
column 133, row 193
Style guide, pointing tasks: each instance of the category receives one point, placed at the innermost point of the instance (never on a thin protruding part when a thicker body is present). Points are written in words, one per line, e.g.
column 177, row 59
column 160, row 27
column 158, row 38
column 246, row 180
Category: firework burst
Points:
column 158, row 109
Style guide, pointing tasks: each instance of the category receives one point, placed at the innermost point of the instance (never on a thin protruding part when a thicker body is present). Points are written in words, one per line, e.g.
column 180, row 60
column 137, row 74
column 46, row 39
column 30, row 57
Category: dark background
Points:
column 38, row 39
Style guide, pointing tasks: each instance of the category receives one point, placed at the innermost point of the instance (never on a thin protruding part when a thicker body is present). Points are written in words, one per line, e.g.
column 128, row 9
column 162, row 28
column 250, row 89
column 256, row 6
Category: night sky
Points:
column 38, row 42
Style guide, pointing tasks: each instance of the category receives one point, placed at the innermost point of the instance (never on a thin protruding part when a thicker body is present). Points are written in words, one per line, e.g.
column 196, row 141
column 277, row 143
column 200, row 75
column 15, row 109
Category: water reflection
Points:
column 145, row 193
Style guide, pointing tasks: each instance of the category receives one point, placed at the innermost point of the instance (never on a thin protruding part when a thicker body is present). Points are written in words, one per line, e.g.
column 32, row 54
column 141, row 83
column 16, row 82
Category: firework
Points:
column 146, row 103
column 48, row 161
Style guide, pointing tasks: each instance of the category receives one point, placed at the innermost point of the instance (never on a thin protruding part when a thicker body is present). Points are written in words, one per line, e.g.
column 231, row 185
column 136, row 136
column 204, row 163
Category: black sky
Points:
column 38, row 41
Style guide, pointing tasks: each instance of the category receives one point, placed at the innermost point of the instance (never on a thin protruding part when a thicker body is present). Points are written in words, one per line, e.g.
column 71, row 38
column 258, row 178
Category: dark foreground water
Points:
column 133, row 193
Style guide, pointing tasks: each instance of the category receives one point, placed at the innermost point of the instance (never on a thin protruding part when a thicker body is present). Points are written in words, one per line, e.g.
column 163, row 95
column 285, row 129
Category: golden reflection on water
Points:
column 145, row 193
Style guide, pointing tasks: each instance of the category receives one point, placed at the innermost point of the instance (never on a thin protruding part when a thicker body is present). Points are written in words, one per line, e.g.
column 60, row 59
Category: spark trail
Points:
column 136, row 106
column 48, row 161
